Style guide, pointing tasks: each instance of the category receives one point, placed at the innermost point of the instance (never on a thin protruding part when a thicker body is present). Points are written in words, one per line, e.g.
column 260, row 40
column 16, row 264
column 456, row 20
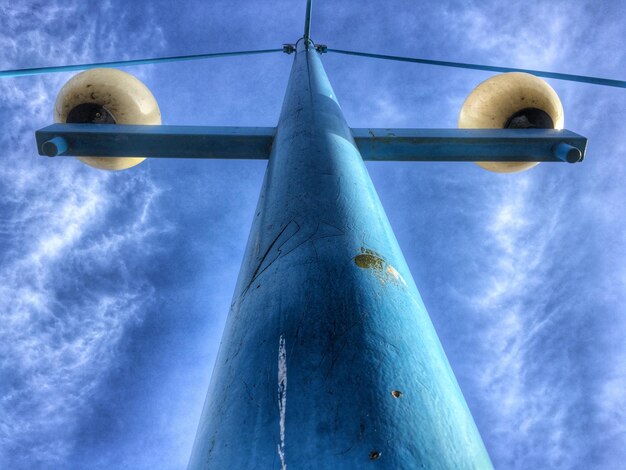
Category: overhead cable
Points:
column 124, row 63
column 491, row 68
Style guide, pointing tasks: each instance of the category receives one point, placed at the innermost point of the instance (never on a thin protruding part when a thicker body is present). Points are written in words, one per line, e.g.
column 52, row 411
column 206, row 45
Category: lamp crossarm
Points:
column 425, row 145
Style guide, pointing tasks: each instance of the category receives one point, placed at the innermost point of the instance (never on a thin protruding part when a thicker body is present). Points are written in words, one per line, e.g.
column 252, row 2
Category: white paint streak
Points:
column 282, row 398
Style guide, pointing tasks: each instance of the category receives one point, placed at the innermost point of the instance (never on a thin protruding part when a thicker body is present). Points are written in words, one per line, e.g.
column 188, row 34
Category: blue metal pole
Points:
column 329, row 359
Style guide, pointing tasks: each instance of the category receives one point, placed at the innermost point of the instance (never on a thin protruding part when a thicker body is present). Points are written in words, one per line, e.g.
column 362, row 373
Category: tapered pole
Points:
column 329, row 359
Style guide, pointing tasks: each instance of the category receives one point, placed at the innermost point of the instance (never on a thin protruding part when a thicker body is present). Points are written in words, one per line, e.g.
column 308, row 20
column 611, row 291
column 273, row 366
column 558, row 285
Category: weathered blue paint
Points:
column 329, row 359
column 468, row 145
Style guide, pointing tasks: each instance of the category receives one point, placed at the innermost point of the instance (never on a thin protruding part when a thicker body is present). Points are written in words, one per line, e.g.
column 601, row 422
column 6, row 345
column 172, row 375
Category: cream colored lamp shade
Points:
column 511, row 100
column 107, row 96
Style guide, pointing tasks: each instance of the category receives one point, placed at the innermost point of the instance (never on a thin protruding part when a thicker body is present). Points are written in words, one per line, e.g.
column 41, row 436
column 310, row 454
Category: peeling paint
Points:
column 282, row 398
column 385, row 272
column 395, row 275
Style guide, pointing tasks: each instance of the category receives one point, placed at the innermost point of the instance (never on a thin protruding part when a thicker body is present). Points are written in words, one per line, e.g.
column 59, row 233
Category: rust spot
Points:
column 396, row 393
column 374, row 455
column 369, row 261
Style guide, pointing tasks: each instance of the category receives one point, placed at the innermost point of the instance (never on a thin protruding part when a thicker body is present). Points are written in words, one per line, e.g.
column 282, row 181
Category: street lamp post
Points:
column 329, row 359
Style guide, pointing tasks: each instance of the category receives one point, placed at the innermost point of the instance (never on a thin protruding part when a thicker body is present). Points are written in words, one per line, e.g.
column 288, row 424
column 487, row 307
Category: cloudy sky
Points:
column 114, row 286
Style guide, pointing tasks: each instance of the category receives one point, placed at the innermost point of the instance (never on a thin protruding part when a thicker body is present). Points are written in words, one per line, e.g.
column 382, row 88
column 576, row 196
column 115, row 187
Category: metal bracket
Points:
column 321, row 48
column 289, row 48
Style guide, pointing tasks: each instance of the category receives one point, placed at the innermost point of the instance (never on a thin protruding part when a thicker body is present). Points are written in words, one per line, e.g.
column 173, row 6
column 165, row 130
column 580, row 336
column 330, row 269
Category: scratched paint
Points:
column 282, row 398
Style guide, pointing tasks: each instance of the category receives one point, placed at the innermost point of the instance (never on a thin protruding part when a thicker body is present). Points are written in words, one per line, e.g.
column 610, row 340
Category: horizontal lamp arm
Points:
column 470, row 145
column 494, row 145
column 123, row 140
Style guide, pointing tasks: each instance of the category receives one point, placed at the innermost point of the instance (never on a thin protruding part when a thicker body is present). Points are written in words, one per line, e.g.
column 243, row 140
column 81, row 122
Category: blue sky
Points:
column 115, row 286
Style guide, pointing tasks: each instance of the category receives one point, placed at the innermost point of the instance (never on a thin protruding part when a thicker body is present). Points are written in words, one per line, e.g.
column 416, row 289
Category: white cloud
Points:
column 71, row 241
column 60, row 327
column 510, row 34
column 385, row 109
column 518, row 258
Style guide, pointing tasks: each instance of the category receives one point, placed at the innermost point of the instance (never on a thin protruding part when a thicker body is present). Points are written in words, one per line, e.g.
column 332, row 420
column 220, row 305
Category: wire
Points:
column 121, row 63
column 558, row 76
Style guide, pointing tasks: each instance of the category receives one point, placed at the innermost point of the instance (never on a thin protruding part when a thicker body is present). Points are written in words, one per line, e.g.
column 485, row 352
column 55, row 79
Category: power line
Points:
column 122, row 63
column 491, row 68
column 157, row 60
